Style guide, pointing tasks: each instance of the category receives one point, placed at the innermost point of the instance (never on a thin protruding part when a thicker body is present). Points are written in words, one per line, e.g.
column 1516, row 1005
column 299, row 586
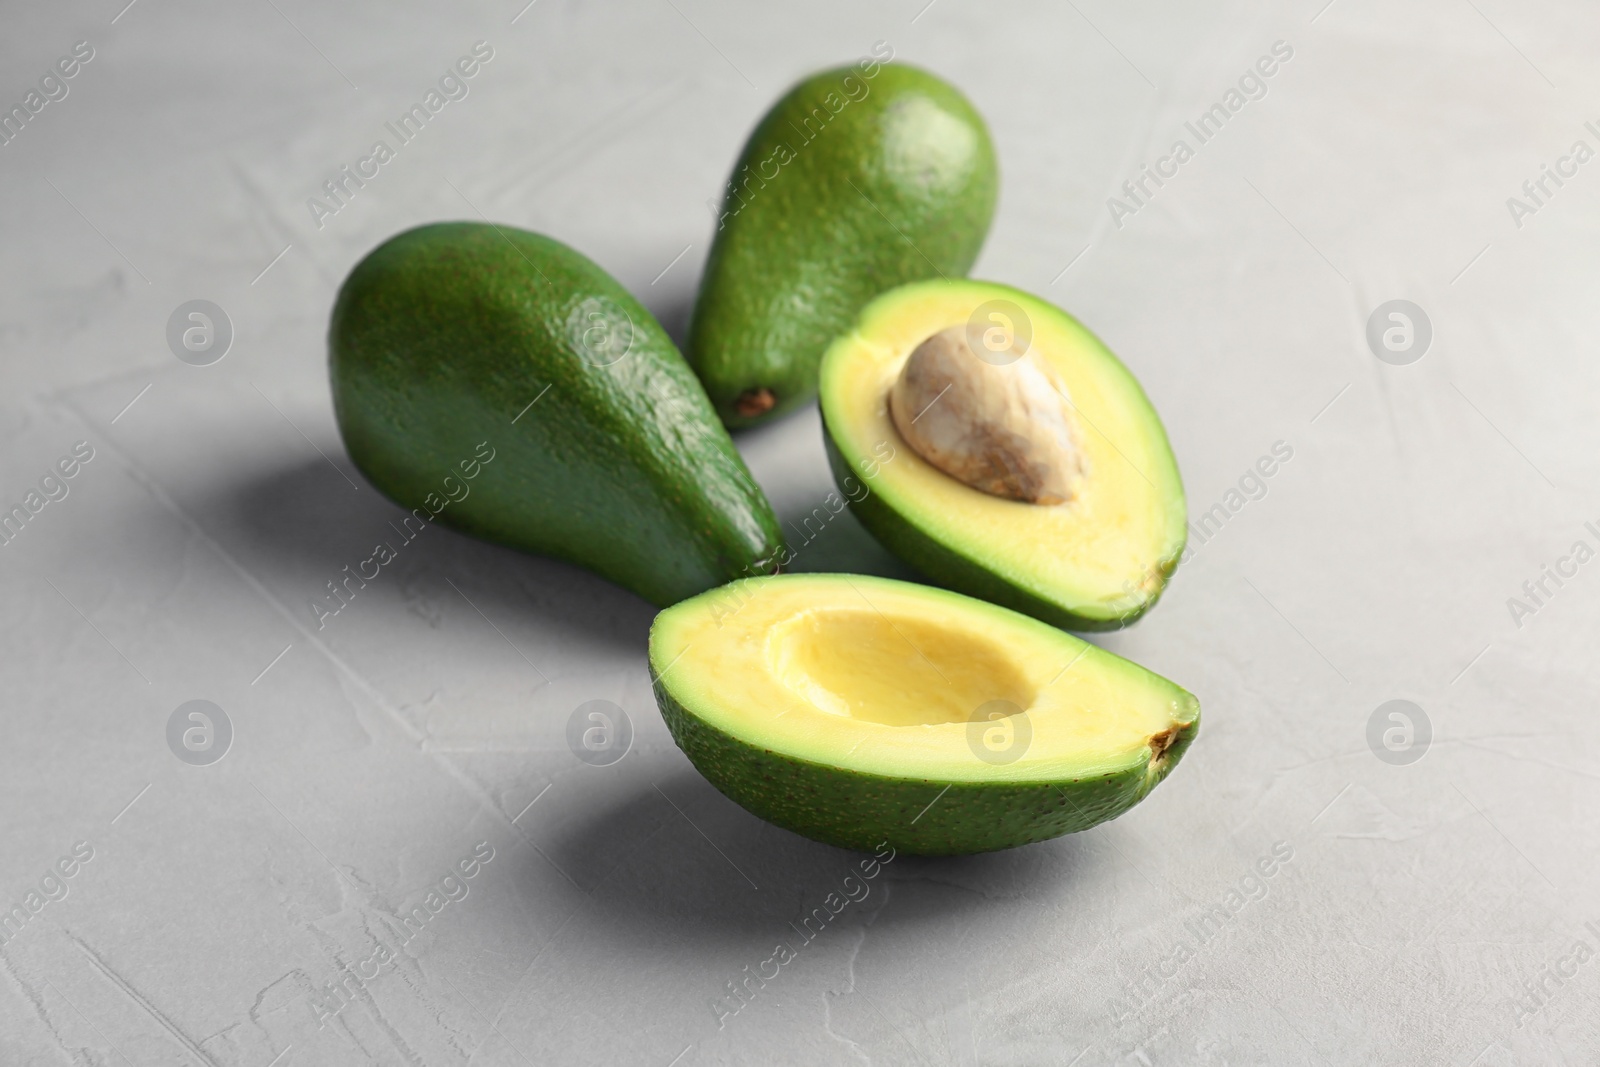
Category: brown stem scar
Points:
column 754, row 401
column 1159, row 743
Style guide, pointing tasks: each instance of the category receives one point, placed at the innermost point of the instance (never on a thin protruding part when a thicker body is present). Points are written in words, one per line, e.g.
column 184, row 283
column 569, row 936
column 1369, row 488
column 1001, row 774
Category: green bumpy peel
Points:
column 857, row 180
column 917, row 816
column 454, row 338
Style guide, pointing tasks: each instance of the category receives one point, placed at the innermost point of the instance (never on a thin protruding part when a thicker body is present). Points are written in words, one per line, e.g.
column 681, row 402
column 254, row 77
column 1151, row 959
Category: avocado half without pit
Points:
column 1006, row 453
column 858, row 710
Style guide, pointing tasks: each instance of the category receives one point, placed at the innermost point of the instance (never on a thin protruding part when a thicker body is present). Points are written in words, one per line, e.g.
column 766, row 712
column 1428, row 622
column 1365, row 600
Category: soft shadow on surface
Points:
column 669, row 852
column 827, row 539
column 813, row 512
column 655, row 847
column 297, row 526
column 673, row 311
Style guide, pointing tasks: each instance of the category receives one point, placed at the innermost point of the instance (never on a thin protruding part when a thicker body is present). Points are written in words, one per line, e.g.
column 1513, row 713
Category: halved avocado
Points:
column 858, row 710
column 1097, row 561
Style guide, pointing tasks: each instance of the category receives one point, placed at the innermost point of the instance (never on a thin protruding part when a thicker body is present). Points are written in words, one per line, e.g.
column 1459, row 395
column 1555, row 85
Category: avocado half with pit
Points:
column 858, row 711
column 1005, row 453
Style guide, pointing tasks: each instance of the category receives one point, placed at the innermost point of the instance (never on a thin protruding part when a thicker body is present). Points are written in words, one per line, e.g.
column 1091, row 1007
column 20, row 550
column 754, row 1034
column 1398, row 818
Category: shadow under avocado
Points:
column 303, row 518
column 826, row 538
column 673, row 311
column 656, row 853
column 665, row 851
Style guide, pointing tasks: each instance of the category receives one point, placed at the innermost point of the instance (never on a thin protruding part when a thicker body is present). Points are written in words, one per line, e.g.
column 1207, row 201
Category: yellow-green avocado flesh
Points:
column 1097, row 562
column 858, row 710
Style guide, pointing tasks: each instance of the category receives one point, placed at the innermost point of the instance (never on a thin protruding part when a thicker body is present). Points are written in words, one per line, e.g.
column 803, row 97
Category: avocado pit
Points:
column 1005, row 428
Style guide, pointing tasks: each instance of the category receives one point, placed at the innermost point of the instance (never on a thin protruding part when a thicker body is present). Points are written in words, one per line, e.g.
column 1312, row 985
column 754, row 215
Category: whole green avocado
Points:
column 498, row 381
column 858, row 180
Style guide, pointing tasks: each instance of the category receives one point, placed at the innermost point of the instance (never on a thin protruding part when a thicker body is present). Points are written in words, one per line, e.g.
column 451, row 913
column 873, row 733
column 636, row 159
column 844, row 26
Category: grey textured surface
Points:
column 1430, row 912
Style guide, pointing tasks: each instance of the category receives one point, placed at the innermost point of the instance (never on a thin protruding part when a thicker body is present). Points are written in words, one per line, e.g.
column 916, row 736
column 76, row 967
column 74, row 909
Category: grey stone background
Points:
column 1432, row 911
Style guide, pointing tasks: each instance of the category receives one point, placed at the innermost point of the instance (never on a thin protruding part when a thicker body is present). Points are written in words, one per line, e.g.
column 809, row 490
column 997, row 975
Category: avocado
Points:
column 1004, row 452
column 458, row 341
column 858, row 179
column 858, row 710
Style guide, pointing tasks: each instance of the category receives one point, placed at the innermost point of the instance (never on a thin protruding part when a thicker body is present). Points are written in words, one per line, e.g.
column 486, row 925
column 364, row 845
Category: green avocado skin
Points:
column 915, row 815
column 952, row 570
column 442, row 337
column 851, row 185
